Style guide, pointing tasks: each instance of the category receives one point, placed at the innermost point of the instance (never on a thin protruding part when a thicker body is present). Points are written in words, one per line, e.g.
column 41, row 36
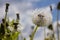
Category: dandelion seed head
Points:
column 42, row 17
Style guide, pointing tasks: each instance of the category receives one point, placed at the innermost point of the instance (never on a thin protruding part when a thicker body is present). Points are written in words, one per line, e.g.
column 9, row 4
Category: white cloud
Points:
column 2, row 12
column 25, row 4
column 15, row 9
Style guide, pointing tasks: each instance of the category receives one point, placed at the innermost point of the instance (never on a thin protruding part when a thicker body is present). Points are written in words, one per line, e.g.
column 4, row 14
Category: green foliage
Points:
column 33, row 33
column 9, row 35
column 5, row 33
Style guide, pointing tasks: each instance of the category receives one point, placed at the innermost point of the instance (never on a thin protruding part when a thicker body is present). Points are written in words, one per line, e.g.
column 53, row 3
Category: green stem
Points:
column 5, row 22
column 33, row 33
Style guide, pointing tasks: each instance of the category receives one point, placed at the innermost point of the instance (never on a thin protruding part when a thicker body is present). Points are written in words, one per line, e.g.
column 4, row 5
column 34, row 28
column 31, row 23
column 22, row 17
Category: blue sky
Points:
column 25, row 7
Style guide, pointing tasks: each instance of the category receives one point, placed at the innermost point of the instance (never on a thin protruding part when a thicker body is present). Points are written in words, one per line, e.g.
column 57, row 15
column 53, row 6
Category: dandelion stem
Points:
column 5, row 22
column 6, row 10
column 33, row 33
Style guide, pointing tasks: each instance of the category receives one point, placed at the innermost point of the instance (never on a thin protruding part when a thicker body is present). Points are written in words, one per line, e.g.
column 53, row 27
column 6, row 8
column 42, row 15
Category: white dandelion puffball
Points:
column 42, row 17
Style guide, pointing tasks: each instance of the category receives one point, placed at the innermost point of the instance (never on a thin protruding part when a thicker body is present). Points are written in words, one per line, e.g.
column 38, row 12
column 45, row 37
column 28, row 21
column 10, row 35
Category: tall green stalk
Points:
column 6, row 10
column 33, row 33
column 5, row 22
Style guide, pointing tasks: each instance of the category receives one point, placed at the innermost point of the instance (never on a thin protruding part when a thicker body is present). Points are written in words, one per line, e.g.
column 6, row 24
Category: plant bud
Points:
column 50, row 27
column 17, row 16
column 15, row 24
column 3, row 20
column 7, row 24
column 58, row 6
column 51, row 8
column 7, row 5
